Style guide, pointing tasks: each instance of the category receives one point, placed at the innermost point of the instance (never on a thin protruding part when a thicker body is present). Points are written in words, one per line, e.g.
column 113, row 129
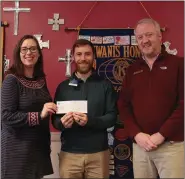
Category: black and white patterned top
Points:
column 25, row 137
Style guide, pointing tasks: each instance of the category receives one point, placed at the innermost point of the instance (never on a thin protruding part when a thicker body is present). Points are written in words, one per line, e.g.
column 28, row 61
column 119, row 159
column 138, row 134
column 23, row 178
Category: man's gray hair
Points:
column 149, row 21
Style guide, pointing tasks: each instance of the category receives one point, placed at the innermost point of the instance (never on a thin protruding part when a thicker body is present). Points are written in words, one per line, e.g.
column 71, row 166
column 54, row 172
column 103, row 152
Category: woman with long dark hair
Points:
column 26, row 105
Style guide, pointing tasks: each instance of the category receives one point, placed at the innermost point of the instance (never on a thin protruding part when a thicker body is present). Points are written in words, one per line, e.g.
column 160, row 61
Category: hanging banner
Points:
column 115, row 50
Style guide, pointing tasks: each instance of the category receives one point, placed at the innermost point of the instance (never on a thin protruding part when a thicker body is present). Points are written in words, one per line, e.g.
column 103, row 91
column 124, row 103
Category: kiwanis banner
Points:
column 115, row 50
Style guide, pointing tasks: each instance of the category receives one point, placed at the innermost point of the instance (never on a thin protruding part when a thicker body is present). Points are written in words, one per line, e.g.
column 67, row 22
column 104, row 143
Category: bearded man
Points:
column 84, row 150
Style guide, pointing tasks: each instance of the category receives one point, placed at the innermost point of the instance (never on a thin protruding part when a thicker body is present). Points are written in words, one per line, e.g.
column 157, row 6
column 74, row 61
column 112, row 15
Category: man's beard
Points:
column 84, row 69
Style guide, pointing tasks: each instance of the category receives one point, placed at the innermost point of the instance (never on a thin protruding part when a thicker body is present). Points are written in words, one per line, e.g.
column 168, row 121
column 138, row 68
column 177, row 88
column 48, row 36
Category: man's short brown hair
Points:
column 82, row 42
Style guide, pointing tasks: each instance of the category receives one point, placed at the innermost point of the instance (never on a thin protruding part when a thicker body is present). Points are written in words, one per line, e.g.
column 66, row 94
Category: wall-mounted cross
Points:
column 16, row 11
column 68, row 60
column 6, row 63
column 41, row 43
column 56, row 22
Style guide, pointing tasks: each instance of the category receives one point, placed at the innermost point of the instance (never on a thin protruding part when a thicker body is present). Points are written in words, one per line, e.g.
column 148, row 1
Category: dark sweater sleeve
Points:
column 176, row 121
column 56, row 122
column 125, row 107
column 11, row 115
column 111, row 112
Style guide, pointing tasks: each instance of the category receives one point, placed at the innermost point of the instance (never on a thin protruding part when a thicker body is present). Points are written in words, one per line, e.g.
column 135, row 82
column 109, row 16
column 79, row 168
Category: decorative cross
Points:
column 16, row 10
column 167, row 45
column 41, row 43
column 68, row 60
column 6, row 63
column 56, row 22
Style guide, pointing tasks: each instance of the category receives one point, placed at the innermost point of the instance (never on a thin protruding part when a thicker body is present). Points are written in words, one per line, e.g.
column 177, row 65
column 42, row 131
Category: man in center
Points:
column 84, row 144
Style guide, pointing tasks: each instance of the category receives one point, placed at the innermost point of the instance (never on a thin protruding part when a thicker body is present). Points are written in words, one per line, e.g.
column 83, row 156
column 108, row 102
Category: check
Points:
column 71, row 106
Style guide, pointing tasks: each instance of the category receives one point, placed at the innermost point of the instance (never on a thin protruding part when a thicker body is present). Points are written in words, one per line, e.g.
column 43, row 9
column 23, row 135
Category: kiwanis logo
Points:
column 122, row 151
column 119, row 69
column 114, row 69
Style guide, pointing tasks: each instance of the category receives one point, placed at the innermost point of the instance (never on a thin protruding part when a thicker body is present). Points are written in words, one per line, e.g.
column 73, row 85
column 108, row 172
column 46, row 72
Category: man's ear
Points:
column 160, row 37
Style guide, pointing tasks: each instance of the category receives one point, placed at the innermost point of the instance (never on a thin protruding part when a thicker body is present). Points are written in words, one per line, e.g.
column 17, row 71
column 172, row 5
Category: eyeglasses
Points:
column 24, row 50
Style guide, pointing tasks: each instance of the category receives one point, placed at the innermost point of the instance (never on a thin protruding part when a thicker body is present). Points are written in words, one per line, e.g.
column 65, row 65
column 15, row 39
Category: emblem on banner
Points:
column 119, row 69
column 122, row 151
column 121, row 170
column 115, row 69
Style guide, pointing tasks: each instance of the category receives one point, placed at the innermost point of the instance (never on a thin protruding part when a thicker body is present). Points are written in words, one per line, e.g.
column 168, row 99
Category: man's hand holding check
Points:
column 80, row 118
column 74, row 111
column 68, row 119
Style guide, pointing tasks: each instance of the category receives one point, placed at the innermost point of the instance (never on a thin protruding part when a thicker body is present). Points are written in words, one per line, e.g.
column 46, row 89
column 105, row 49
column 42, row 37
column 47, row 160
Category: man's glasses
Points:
column 24, row 50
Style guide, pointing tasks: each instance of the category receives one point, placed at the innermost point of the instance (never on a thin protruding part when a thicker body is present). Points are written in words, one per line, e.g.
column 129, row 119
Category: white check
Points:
column 71, row 106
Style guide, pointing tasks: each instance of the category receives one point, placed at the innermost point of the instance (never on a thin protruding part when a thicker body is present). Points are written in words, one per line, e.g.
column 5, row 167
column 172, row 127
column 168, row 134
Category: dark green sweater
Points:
column 102, row 114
